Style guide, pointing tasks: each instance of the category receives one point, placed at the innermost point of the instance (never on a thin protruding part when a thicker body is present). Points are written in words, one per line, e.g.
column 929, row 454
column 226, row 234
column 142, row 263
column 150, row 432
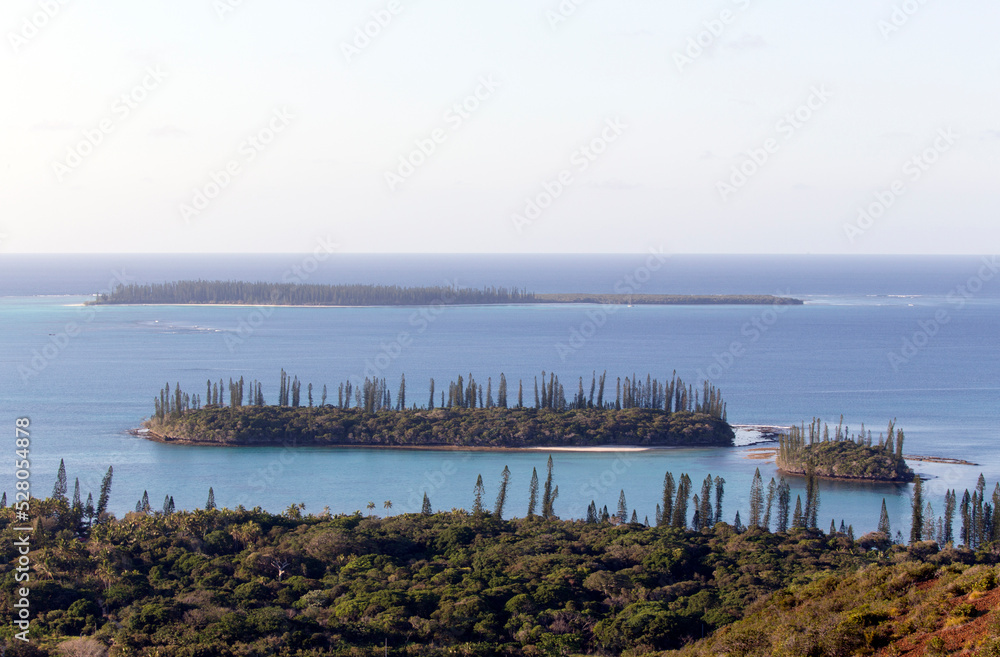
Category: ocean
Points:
column 879, row 338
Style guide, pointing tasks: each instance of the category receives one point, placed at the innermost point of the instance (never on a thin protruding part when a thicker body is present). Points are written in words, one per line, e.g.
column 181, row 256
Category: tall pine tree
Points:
column 102, row 499
column 917, row 521
column 622, row 508
column 502, row 493
column 533, row 493
column 547, row 493
column 883, row 521
column 756, row 499
column 61, row 485
column 667, row 515
column 477, row 504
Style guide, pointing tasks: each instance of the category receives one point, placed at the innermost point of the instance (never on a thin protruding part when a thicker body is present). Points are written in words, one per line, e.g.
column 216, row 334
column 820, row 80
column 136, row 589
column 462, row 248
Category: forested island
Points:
column 643, row 412
column 841, row 455
column 301, row 294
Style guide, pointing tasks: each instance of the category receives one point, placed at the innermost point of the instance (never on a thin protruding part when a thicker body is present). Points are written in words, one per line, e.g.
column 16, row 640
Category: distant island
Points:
column 840, row 456
column 297, row 294
column 643, row 413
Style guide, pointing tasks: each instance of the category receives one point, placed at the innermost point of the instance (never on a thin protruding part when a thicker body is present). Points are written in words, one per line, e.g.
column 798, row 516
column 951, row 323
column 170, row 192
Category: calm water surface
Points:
column 85, row 376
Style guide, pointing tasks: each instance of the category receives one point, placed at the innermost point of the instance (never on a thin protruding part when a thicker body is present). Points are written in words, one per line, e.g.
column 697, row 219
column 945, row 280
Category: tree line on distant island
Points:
column 307, row 294
column 360, row 294
column 374, row 395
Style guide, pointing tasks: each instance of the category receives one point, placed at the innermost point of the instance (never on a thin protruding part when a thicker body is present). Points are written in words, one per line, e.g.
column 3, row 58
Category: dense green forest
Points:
column 310, row 294
column 843, row 455
column 496, row 427
column 643, row 412
column 244, row 582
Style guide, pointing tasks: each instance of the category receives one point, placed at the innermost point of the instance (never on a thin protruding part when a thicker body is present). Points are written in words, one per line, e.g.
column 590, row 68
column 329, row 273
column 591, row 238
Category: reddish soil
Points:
column 958, row 639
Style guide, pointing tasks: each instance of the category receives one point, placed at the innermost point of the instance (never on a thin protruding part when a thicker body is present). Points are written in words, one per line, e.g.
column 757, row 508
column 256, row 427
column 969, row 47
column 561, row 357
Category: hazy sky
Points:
column 246, row 125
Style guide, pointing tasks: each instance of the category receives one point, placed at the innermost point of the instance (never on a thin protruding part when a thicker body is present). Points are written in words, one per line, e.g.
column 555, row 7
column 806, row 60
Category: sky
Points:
column 732, row 126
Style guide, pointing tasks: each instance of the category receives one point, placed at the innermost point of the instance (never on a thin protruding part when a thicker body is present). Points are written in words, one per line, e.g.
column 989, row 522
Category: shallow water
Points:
column 83, row 386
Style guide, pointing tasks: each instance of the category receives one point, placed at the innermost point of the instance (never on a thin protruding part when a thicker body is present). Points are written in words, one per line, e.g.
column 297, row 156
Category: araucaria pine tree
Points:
column 810, row 516
column 917, row 523
column 502, row 492
column 667, row 514
column 784, row 502
column 772, row 490
column 61, row 485
column 719, row 492
column 679, row 518
column 883, row 521
column 102, row 499
column 477, row 503
column 707, row 515
column 547, row 493
column 756, row 499
column 533, row 493
column 210, row 503
column 425, row 508
column 77, row 505
column 622, row 508
column 949, row 516
column 797, row 519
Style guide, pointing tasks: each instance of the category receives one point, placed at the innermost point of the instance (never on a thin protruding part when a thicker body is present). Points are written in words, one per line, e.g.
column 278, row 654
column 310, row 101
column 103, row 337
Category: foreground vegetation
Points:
column 246, row 582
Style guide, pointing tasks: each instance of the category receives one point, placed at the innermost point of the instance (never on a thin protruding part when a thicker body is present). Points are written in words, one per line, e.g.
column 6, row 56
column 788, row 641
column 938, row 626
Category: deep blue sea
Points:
column 911, row 338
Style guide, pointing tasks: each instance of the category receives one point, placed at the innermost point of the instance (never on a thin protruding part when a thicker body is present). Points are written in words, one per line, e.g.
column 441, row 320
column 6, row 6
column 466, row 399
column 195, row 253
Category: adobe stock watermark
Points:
column 786, row 127
column 454, row 118
column 296, row 274
column 753, row 329
column 225, row 7
column 264, row 477
column 579, row 161
column 712, row 30
column 599, row 316
column 121, row 109
column 366, row 33
column 42, row 356
column 913, row 170
column 33, row 24
column 248, row 150
column 957, row 298
column 562, row 12
column 899, row 17
column 420, row 319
